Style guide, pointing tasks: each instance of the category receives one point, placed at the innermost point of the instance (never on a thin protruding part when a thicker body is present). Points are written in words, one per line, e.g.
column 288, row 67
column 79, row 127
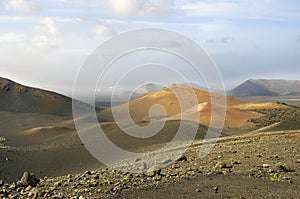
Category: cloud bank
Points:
column 141, row 7
column 20, row 5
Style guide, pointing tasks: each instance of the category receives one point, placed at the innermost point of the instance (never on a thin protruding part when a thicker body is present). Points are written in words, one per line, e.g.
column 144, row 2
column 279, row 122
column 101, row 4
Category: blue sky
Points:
column 44, row 42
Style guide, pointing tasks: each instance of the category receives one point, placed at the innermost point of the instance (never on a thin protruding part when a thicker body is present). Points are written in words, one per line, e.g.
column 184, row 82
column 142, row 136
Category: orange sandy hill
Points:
column 140, row 108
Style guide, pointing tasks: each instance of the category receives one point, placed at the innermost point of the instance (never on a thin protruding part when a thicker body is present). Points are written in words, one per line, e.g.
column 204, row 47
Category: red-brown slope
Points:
column 139, row 108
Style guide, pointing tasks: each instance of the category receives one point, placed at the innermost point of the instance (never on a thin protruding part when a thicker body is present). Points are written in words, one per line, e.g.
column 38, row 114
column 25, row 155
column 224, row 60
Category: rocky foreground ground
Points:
column 257, row 165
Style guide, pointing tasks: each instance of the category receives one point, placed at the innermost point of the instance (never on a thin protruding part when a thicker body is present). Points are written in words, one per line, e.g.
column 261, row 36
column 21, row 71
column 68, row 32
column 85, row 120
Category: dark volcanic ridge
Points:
column 15, row 97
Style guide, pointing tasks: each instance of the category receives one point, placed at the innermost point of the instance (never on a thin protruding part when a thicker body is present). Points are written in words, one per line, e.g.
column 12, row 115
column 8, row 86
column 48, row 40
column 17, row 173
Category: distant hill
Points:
column 122, row 97
column 15, row 97
column 265, row 87
column 143, row 90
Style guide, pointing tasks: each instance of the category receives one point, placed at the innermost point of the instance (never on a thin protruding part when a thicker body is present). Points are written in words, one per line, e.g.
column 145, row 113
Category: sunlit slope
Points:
column 164, row 104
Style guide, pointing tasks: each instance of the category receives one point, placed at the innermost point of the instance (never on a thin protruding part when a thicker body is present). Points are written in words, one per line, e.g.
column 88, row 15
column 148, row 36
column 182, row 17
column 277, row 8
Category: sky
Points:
column 43, row 43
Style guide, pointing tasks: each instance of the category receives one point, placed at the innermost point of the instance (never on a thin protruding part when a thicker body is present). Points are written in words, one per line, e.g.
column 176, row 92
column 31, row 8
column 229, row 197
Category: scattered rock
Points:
column 236, row 162
column 216, row 189
column 2, row 139
column 175, row 166
column 88, row 173
column 265, row 165
column 13, row 186
column 183, row 158
column 28, row 179
column 153, row 171
column 222, row 164
column 107, row 183
column 281, row 167
column 58, row 183
column 33, row 193
column 271, row 171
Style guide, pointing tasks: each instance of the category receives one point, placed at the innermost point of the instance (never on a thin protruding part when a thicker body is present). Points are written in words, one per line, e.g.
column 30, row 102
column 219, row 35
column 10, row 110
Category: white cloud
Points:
column 125, row 7
column 230, row 8
column 141, row 7
column 46, row 25
column 68, row 19
column 225, row 40
column 101, row 30
column 55, row 42
column 32, row 19
column 46, row 35
column 43, row 41
column 11, row 37
column 211, row 9
column 243, row 9
column 39, row 41
column 15, row 19
column 20, row 5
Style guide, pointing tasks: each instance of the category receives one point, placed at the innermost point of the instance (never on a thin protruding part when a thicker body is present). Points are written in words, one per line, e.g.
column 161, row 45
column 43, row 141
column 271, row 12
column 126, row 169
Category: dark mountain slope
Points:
column 15, row 97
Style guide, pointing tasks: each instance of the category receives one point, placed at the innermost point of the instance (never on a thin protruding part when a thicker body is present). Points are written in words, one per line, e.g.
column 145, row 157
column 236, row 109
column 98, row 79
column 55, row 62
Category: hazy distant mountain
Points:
column 264, row 87
column 15, row 97
column 148, row 88
column 122, row 97
column 204, row 88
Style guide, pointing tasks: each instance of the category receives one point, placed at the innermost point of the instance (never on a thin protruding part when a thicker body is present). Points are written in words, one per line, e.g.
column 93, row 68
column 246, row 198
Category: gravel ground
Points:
column 257, row 165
